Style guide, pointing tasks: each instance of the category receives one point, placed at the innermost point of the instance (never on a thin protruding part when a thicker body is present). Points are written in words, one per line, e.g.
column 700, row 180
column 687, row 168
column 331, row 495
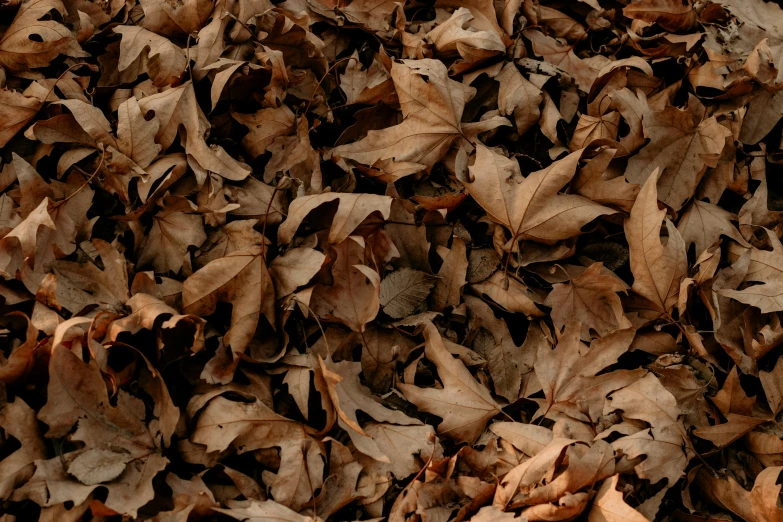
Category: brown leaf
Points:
column 353, row 299
column 402, row 291
column 658, row 268
column 351, row 211
column 31, row 42
column 681, row 148
column 609, row 505
column 517, row 203
column 428, row 130
column 240, row 278
column 568, row 373
column 464, row 405
column 592, row 300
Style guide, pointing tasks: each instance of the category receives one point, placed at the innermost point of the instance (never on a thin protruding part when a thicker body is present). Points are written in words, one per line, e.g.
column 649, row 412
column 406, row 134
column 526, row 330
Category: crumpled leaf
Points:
column 464, row 405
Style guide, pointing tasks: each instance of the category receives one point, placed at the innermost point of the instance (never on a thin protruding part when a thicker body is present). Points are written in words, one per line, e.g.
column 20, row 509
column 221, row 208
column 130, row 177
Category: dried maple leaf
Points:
column 763, row 269
column 177, row 108
column 665, row 444
column 75, row 286
column 351, row 211
column 16, row 111
column 658, row 268
column 242, row 279
column 672, row 15
column 464, row 405
column 174, row 229
column 563, row 56
column 519, row 97
column 121, row 452
column 680, row 146
column 609, row 505
column 31, row 42
column 568, row 374
column 348, row 396
column 353, row 299
column 252, row 510
column 704, row 223
column 531, row 207
column 432, row 111
column 18, row 421
column 265, row 126
column 591, row 299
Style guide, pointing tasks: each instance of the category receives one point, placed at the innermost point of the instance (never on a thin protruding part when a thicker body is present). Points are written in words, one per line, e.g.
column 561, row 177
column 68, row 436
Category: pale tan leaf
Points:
column 658, row 268
column 464, row 405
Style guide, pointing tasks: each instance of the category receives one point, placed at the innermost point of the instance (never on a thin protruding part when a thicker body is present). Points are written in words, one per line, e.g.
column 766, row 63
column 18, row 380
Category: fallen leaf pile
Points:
column 453, row 260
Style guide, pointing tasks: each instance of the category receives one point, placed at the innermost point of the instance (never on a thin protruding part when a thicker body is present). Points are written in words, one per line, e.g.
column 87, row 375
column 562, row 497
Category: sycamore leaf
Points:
column 353, row 299
column 703, row 223
column 531, row 207
column 664, row 443
column 764, row 268
column 265, row 126
column 255, row 511
column 519, row 97
column 568, row 374
column 609, row 505
column 672, row 15
column 590, row 299
column 432, row 106
column 657, row 267
column 173, row 232
column 136, row 135
column 403, row 290
column 464, row 405
column 562, row 55
column 16, row 110
column 31, row 42
column 352, row 209
column 240, row 278
column 178, row 19
column 295, row 268
column 681, row 149
column 167, row 62
column 178, row 107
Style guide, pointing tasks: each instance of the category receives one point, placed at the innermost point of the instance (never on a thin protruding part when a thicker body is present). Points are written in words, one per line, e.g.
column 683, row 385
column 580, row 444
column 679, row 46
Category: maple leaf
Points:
column 672, row 15
column 174, row 229
column 703, row 223
column 265, row 126
column 591, row 299
column 122, row 452
column 242, row 279
column 353, row 299
column 464, row 405
column 16, row 111
column 177, row 108
column 681, row 147
column 563, row 56
column 568, row 374
column 351, row 211
column 30, row 42
column 762, row 269
column 519, row 203
column 432, row 106
column 657, row 267
column 664, row 443
column 518, row 96
column 609, row 505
